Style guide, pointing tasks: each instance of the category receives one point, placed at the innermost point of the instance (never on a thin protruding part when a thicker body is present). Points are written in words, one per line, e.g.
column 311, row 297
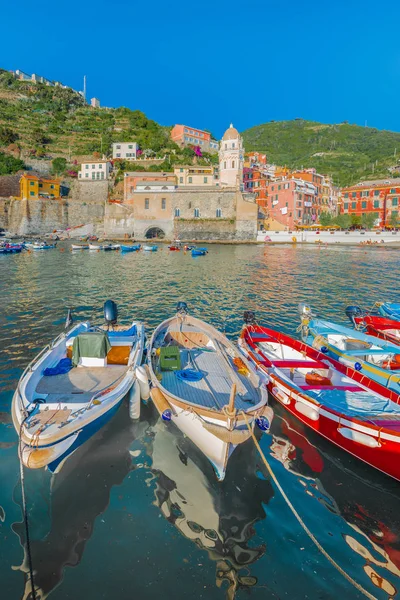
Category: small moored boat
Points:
column 199, row 251
column 150, row 248
column 375, row 358
column 389, row 309
column 80, row 246
column 74, row 386
column 199, row 382
column 133, row 248
column 381, row 327
column 338, row 402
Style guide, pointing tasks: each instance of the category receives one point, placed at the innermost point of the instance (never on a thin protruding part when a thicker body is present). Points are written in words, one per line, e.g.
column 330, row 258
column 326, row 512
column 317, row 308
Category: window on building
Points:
column 146, row 203
column 226, row 146
column 86, row 166
column 287, row 203
column 354, row 205
column 225, row 164
column 279, row 187
column 219, row 213
column 31, row 193
column 118, row 147
column 205, row 179
column 395, row 201
column 353, row 195
column 86, row 174
column 186, row 130
column 40, row 184
column 272, row 188
column 276, row 197
column 299, row 213
column 163, row 203
column 130, row 147
column 118, row 155
column 190, row 179
column 346, row 195
column 376, row 193
column 31, row 183
column 177, row 212
column 346, row 206
column 93, row 166
column 196, row 212
column 364, row 204
column 102, row 174
column 100, row 166
column 376, row 203
column 233, row 164
column 392, row 191
column 233, row 144
column 93, row 175
column 180, row 179
column 395, row 213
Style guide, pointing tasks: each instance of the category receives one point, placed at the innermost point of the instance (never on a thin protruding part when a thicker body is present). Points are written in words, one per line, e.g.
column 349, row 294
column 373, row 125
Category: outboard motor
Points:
column 182, row 308
column 249, row 317
column 352, row 312
column 110, row 312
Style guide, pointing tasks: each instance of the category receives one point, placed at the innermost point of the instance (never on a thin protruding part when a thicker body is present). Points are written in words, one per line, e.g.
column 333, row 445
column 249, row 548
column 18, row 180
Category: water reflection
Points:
column 217, row 517
column 367, row 501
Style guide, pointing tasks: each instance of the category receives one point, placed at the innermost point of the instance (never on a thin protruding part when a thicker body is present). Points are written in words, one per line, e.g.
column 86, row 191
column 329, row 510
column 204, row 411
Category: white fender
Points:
column 308, row 411
column 134, row 401
column 360, row 438
column 281, row 396
column 143, row 380
column 268, row 413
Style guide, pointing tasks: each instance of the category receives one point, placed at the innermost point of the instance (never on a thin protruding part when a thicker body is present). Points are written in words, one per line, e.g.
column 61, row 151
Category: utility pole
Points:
column 84, row 87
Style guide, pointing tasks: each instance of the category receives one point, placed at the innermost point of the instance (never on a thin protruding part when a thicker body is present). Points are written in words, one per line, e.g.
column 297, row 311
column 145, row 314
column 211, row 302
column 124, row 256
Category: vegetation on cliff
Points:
column 349, row 153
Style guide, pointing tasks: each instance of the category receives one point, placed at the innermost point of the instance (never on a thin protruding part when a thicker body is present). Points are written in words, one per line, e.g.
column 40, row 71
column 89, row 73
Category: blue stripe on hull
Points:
column 87, row 432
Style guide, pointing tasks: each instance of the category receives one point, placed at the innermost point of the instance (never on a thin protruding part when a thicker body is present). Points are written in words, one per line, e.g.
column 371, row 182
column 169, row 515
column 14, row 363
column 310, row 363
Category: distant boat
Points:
column 338, row 402
column 11, row 248
column 80, row 246
column 199, row 251
column 133, row 248
column 201, row 384
column 94, row 247
column 74, row 386
column 43, row 246
column 150, row 248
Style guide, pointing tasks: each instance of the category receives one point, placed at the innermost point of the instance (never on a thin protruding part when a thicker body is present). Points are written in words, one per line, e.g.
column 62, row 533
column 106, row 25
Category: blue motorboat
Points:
column 377, row 358
column 390, row 310
column 150, row 248
column 199, row 251
column 11, row 249
column 134, row 248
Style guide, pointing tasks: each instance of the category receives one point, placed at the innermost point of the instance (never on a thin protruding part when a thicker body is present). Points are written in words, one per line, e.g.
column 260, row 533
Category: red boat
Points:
column 381, row 327
column 176, row 248
column 357, row 414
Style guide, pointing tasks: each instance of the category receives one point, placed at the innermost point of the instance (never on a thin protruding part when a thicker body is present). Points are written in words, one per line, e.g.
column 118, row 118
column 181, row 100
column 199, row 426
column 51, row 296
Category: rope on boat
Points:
column 25, row 513
column 300, row 520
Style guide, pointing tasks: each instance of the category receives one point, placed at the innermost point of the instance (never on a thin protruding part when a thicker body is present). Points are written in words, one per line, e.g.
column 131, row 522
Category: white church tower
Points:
column 231, row 155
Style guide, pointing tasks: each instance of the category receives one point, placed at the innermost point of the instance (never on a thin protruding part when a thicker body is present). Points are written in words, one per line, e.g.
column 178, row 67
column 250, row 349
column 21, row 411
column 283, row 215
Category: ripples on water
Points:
column 137, row 510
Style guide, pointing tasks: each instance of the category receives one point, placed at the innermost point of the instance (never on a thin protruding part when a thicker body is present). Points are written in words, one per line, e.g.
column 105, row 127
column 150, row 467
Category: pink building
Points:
column 291, row 202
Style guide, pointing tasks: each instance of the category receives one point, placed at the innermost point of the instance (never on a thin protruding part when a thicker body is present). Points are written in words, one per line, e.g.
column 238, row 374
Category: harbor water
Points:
column 137, row 511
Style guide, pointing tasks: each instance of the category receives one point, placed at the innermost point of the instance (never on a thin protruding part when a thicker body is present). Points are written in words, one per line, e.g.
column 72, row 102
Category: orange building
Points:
column 255, row 181
column 134, row 177
column 380, row 197
column 33, row 187
column 189, row 136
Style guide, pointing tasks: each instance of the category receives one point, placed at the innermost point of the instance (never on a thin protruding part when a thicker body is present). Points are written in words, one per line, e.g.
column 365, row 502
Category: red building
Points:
column 291, row 202
column 256, row 182
column 380, row 197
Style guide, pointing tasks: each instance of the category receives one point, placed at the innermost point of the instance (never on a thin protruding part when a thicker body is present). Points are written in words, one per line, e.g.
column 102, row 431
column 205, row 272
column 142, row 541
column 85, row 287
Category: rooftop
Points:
column 157, row 183
column 231, row 133
column 375, row 183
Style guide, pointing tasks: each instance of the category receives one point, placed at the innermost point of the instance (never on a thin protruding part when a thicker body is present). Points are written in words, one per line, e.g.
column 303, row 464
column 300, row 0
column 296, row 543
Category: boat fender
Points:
column 134, row 401
column 143, row 380
column 265, row 419
column 308, row 411
column 360, row 438
column 314, row 378
column 161, row 404
column 350, row 363
column 281, row 396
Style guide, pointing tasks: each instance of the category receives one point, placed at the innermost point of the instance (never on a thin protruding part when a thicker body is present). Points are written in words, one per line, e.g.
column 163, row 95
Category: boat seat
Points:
column 299, row 364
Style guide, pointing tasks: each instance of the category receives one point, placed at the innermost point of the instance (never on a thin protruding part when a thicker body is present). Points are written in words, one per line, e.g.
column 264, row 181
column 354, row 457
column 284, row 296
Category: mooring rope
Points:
column 300, row 520
column 25, row 512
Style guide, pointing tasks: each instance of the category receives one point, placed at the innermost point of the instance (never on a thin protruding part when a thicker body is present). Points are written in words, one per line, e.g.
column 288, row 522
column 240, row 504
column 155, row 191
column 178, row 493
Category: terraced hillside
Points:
column 348, row 152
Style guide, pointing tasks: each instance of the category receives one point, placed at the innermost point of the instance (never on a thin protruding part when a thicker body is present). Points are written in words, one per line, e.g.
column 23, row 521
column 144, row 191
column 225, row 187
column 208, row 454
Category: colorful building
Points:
column 252, row 159
column 195, row 175
column 256, row 181
column 132, row 179
column 379, row 197
column 290, row 202
column 189, row 136
column 33, row 187
column 125, row 150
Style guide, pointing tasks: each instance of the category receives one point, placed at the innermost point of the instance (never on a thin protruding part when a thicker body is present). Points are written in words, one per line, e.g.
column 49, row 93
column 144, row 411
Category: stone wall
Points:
column 88, row 191
column 118, row 222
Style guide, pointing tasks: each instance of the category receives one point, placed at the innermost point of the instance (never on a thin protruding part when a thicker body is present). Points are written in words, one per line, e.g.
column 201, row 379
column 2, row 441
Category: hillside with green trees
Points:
column 38, row 121
column 349, row 153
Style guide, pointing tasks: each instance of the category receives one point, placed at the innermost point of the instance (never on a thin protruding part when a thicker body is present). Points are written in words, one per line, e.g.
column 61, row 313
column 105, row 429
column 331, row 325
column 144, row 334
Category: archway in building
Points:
column 155, row 232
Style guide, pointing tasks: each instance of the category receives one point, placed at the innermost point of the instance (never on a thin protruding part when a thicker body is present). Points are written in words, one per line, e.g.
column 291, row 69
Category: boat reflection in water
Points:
column 218, row 516
column 366, row 500
column 80, row 492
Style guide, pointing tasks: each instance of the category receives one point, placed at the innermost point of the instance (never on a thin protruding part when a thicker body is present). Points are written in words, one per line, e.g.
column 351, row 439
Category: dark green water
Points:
column 137, row 512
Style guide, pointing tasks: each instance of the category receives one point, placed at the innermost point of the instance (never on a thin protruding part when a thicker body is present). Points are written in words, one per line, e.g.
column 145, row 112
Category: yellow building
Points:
column 34, row 188
column 195, row 175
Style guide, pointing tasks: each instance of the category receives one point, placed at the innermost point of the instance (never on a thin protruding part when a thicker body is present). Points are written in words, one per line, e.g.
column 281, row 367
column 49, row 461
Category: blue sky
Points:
column 208, row 63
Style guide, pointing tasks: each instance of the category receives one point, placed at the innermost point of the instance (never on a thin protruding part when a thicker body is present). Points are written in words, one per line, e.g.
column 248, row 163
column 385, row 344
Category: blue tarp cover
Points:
column 61, row 367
